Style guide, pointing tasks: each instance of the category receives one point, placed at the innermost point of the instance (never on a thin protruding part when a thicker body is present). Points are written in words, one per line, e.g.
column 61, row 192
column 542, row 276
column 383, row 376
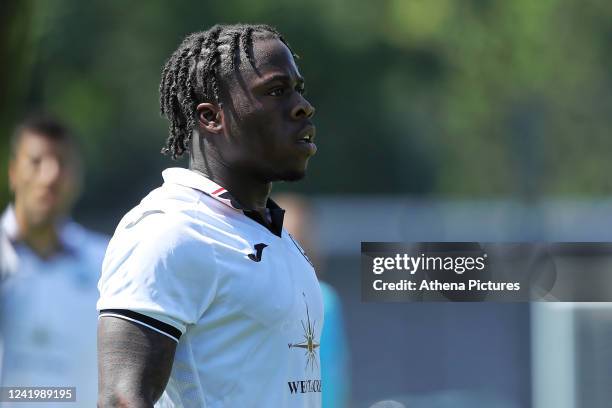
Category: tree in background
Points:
column 453, row 99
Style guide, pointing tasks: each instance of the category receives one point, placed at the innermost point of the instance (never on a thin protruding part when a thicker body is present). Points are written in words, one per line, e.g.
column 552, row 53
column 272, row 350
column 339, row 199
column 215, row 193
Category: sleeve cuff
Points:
column 144, row 320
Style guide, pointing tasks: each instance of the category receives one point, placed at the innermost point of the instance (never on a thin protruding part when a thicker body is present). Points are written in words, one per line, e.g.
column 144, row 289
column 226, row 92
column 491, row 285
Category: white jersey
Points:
column 242, row 301
column 48, row 312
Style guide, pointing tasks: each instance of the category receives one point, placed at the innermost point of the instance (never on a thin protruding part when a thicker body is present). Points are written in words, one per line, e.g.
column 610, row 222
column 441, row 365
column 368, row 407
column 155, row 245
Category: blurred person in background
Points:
column 49, row 266
column 335, row 372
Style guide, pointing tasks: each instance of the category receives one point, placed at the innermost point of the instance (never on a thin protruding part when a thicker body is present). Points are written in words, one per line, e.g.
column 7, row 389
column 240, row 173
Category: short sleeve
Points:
column 160, row 272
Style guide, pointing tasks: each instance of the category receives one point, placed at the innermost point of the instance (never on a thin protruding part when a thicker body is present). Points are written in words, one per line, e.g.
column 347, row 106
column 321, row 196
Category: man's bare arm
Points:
column 134, row 363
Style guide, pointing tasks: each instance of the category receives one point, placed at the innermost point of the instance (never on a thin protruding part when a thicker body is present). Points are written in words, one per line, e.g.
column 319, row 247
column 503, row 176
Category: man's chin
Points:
column 43, row 216
column 292, row 175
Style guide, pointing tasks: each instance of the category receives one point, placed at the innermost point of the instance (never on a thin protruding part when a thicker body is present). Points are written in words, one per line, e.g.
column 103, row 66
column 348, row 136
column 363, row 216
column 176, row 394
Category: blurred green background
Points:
column 438, row 98
column 437, row 120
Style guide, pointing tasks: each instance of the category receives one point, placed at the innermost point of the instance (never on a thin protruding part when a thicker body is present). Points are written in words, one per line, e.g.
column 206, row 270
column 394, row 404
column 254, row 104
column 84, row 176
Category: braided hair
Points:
column 195, row 73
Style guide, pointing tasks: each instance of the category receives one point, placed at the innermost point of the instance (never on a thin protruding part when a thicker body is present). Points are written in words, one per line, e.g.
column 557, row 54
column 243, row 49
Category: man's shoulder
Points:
column 164, row 232
column 176, row 200
column 173, row 219
column 172, row 196
column 171, row 213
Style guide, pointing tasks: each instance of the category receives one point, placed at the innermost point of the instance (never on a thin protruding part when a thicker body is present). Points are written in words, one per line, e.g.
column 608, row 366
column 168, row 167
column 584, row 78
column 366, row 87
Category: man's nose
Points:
column 303, row 110
column 50, row 171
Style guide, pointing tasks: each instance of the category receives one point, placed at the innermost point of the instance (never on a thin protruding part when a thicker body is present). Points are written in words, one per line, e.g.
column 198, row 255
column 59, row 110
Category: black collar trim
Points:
column 277, row 216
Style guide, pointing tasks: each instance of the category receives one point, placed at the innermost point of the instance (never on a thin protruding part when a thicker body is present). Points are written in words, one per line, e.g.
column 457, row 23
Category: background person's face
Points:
column 267, row 116
column 44, row 178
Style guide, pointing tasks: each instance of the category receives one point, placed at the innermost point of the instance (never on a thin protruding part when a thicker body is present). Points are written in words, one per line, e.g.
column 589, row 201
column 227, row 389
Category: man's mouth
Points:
column 307, row 135
column 47, row 196
column 306, row 139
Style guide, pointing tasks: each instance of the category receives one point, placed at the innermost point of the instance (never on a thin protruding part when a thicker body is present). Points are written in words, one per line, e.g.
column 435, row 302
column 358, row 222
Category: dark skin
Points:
column 253, row 139
column 134, row 364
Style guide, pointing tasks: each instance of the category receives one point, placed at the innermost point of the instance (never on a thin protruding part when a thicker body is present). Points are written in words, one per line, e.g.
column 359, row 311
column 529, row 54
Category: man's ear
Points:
column 210, row 117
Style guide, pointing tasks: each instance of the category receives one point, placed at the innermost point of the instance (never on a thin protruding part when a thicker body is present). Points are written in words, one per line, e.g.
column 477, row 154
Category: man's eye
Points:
column 277, row 92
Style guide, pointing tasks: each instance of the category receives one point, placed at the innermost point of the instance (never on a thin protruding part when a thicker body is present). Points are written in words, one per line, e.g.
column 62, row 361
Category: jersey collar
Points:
column 188, row 178
column 197, row 181
column 9, row 226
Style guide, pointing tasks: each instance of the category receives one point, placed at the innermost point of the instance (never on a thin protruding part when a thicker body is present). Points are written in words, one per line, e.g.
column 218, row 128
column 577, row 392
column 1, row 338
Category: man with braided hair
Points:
column 205, row 299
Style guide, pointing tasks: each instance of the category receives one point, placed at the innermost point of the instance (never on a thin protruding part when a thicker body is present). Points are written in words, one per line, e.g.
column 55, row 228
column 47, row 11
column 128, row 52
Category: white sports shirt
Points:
column 48, row 313
column 241, row 300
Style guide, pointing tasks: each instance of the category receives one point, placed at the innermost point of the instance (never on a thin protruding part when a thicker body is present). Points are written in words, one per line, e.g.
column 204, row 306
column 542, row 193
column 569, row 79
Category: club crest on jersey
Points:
column 308, row 343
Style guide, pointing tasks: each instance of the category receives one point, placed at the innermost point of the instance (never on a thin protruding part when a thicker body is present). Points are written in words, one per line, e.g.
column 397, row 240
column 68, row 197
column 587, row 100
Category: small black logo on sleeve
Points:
column 258, row 251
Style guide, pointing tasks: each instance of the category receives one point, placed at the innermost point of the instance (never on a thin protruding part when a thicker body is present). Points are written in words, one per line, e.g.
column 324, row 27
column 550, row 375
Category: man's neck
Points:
column 43, row 240
column 249, row 192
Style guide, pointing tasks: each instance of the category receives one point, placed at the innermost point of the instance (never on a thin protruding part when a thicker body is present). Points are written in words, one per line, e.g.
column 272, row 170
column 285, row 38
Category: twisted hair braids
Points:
column 194, row 73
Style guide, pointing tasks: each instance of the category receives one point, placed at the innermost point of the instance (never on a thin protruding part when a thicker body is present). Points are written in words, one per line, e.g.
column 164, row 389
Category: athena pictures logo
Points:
column 308, row 343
